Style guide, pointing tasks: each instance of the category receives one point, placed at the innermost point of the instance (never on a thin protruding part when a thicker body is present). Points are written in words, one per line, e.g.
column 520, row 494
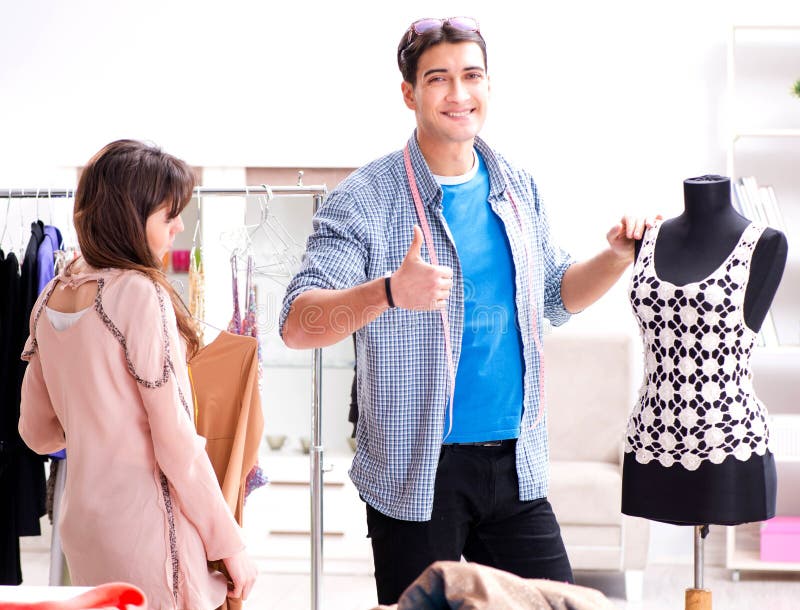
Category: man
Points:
column 439, row 258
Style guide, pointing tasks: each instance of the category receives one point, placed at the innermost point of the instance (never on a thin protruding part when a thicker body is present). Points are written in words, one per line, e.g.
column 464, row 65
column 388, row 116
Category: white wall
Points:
column 611, row 105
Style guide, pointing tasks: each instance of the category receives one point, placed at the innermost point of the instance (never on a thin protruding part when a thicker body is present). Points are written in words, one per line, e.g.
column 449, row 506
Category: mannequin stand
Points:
column 698, row 598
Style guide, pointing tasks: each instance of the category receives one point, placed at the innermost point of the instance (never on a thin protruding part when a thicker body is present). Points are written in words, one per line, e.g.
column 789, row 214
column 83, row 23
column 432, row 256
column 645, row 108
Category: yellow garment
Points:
column 197, row 289
column 227, row 408
column 225, row 383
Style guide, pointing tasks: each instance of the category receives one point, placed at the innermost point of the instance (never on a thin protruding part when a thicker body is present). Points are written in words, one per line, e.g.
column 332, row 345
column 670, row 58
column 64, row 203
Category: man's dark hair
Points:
column 413, row 45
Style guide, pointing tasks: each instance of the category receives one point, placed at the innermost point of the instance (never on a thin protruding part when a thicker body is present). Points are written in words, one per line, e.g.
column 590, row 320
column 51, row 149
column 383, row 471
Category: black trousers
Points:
column 477, row 514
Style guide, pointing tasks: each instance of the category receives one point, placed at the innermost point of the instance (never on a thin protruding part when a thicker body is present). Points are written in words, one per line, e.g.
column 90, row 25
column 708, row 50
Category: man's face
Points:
column 451, row 96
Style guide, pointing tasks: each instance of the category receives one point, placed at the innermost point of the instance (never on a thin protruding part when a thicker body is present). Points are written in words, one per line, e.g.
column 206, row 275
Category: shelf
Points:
column 743, row 551
column 770, row 35
column 751, row 560
column 785, row 437
column 764, row 141
column 767, row 133
column 766, row 351
column 281, row 532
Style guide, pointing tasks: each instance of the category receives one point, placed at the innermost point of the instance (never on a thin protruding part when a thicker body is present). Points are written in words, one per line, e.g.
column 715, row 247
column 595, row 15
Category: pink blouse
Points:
column 141, row 502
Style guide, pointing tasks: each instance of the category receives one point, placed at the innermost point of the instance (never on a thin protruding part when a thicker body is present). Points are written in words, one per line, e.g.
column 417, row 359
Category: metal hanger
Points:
column 69, row 242
column 282, row 260
column 237, row 240
column 5, row 222
column 21, row 248
column 197, row 232
column 50, row 206
column 204, row 323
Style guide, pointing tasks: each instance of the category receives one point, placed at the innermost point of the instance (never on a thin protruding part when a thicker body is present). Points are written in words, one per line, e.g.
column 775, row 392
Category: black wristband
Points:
column 388, row 284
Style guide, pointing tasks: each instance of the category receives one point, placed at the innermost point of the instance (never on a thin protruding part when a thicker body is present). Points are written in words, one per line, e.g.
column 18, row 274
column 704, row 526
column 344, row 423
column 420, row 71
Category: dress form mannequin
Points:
column 697, row 241
column 696, row 448
column 687, row 250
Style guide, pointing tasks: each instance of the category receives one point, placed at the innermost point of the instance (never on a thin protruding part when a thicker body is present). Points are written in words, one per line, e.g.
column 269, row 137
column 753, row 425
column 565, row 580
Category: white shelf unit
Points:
column 277, row 517
column 742, row 552
column 764, row 141
column 742, row 542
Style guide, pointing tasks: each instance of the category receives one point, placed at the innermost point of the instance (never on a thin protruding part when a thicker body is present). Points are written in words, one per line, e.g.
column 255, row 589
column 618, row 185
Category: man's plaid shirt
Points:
column 362, row 232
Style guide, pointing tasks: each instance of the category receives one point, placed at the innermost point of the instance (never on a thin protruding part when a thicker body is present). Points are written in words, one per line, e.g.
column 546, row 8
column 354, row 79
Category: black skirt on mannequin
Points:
column 729, row 493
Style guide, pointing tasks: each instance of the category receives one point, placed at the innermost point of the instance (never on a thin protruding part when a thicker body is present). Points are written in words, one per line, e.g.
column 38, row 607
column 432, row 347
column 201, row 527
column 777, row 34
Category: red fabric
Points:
column 111, row 596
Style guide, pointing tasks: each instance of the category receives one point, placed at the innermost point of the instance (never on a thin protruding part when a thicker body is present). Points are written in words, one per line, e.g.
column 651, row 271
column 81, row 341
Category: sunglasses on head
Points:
column 465, row 24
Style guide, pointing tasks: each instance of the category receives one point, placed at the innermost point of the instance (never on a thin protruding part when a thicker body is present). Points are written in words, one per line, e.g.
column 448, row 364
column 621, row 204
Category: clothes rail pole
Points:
column 316, row 470
column 45, row 193
column 316, row 453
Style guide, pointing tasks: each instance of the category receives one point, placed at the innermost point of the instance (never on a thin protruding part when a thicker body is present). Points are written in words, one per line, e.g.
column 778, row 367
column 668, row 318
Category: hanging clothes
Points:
column 45, row 271
column 30, row 269
column 247, row 326
column 46, row 256
column 224, row 377
column 197, row 289
column 11, row 445
column 23, row 489
column 32, row 485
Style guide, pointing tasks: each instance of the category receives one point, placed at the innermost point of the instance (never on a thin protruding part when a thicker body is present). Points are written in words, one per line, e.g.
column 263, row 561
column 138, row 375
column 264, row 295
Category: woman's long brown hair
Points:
column 120, row 187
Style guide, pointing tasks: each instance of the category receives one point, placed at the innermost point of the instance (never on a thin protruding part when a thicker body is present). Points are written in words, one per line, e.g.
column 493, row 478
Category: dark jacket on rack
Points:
column 10, row 443
column 32, row 486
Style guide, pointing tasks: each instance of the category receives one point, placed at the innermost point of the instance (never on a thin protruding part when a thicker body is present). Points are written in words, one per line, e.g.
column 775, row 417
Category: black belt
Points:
column 501, row 443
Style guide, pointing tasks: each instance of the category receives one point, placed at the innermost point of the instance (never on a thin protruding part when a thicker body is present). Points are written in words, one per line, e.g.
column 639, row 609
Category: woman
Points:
column 107, row 379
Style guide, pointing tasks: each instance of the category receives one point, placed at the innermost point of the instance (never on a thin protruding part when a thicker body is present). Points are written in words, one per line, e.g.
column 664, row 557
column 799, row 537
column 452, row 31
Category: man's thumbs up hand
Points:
column 420, row 285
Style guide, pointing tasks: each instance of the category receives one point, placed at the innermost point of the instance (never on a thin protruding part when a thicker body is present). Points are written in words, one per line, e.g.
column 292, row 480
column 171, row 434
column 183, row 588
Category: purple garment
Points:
column 45, row 270
column 247, row 327
column 45, row 258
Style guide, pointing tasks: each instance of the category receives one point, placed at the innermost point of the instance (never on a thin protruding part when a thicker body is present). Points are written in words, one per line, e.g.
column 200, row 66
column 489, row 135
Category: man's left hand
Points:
column 622, row 236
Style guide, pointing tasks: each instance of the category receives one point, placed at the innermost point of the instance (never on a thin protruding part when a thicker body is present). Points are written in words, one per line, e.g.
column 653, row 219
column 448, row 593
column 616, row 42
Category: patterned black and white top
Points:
column 696, row 403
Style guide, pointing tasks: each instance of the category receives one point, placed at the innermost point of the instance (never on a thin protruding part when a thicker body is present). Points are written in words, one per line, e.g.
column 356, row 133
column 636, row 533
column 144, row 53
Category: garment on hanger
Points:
column 224, row 378
column 23, row 487
column 197, row 289
column 10, row 443
column 30, row 269
column 244, row 325
column 33, row 490
column 46, row 256
column 247, row 326
column 45, row 271
column 696, row 450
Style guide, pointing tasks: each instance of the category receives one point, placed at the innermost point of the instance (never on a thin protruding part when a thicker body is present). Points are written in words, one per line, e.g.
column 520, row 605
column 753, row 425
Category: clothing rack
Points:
column 261, row 189
column 318, row 192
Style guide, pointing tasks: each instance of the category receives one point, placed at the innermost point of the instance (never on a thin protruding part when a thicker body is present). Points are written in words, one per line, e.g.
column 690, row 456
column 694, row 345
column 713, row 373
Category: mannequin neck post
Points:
column 707, row 198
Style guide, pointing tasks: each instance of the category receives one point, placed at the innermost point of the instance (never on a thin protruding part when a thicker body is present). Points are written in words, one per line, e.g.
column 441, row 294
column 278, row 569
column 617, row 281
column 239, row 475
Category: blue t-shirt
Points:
column 488, row 391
